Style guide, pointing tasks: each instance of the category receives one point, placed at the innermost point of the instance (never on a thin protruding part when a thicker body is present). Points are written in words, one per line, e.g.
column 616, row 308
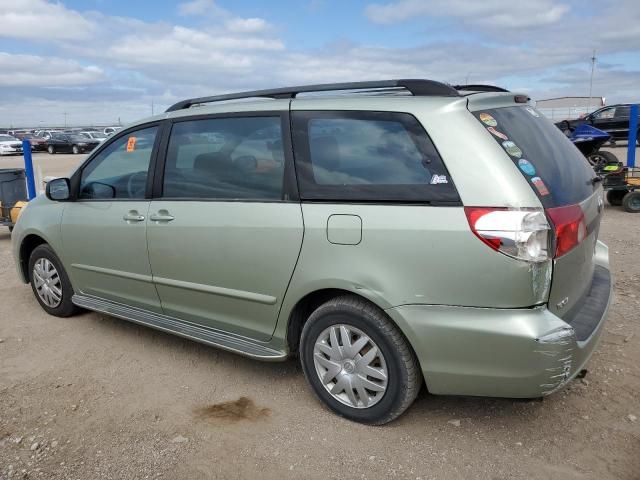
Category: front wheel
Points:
column 51, row 149
column 75, row 149
column 631, row 202
column 50, row 283
column 358, row 362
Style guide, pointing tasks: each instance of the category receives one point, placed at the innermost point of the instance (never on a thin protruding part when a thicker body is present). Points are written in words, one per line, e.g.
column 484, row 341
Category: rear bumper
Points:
column 517, row 353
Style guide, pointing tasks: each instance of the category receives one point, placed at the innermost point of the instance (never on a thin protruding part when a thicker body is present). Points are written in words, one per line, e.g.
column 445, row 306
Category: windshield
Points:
column 555, row 168
column 8, row 138
column 96, row 135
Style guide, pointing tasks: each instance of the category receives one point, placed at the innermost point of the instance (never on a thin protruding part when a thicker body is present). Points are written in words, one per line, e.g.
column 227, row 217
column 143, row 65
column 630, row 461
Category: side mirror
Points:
column 58, row 190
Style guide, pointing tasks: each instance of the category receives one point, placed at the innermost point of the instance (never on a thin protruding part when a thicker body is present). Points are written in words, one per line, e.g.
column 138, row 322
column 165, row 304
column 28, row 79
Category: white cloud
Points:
column 200, row 7
column 247, row 25
column 122, row 63
column 41, row 20
column 490, row 13
column 35, row 71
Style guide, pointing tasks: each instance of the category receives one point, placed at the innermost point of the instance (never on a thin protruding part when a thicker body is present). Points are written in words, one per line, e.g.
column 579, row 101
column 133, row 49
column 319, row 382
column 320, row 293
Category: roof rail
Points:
column 480, row 88
column 416, row 87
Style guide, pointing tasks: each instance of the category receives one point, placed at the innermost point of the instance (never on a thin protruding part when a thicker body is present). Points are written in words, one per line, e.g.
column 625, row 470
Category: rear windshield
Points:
column 556, row 170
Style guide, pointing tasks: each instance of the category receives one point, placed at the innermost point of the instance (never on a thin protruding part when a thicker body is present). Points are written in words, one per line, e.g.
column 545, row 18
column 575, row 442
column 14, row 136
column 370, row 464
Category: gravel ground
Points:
column 93, row 397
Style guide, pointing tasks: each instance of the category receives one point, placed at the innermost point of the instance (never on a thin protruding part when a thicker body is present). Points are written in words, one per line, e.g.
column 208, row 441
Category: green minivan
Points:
column 389, row 233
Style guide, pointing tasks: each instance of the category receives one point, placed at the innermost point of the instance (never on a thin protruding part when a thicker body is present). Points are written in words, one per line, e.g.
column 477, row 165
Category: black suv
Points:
column 613, row 119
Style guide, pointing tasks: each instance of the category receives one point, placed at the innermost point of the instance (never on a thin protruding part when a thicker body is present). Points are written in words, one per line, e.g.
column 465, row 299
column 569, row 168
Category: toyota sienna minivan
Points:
column 389, row 233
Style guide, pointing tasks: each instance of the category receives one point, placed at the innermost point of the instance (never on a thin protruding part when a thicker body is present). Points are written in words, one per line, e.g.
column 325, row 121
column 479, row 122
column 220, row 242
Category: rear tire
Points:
column 51, row 149
column 614, row 197
column 600, row 159
column 358, row 363
column 50, row 283
column 75, row 150
column 631, row 202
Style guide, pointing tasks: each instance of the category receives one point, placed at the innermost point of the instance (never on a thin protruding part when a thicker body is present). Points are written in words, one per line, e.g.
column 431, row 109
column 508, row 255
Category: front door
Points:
column 223, row 237
column 104, row 231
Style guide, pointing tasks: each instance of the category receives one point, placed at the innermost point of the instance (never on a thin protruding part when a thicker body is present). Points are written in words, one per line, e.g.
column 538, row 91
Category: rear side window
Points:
column 554, row 167
column 236, row 158
column 368, row 156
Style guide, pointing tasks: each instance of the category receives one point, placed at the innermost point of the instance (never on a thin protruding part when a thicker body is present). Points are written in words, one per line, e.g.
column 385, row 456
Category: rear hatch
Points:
column 568, row 189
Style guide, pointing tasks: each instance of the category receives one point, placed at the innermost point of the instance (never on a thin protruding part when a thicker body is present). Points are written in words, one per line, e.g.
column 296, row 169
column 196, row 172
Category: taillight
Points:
column 518, row 233
column 570, row 227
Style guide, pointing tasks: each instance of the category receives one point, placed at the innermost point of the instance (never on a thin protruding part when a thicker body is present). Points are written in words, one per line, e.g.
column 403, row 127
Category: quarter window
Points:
column 368, row 156
column 120, row 170
column 225, row 158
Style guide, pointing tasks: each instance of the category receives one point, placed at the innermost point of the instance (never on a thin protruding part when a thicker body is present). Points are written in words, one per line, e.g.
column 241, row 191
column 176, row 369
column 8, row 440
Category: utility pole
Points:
column 466, row 80
column 65, row 119
column 152, row 106
column 593, row 67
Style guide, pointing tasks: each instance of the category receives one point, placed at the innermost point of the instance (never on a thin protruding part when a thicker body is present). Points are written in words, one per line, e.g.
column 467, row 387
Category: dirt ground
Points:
column 93, row 397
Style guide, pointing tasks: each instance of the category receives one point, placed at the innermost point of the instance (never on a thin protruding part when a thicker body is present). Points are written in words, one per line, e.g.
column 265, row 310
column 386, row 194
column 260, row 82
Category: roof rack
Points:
column 480, row 88
column 416, row 87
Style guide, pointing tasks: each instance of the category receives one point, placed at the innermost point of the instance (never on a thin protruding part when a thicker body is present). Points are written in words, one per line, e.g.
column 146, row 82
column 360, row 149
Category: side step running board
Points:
column 209, row 336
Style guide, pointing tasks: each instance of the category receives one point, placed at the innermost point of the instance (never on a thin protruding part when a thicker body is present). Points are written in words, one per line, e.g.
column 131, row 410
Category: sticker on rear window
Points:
column 527, row 167
column 488, row 120
column 512, row 149
column 540, row 186
column 532, row 112
column 131, row 144
column 497, row 133
column 436, row 179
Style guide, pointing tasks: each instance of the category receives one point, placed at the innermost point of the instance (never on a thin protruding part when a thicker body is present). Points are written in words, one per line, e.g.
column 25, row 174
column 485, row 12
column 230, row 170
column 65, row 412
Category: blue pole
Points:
column 28, row 169
column 633, row 135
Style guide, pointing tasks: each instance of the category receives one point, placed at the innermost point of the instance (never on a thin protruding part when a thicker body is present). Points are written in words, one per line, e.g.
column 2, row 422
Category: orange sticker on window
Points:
column 131, row 144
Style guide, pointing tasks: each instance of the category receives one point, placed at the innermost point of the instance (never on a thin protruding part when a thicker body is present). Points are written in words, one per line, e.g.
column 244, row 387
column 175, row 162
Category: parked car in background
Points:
column 352, row 231
column 70, row 143
column 111, row 130
column 613, row 119
column 10, row 145
column 94, row 135
column 38, row 144
column 46, row 134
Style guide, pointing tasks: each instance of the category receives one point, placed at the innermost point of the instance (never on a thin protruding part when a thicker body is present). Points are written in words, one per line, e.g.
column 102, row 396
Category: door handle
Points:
column 133, row 216
column 161, row 216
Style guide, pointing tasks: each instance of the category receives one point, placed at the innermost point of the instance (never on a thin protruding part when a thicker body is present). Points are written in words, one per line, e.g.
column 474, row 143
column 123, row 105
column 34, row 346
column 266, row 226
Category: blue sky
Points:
column 104, row 60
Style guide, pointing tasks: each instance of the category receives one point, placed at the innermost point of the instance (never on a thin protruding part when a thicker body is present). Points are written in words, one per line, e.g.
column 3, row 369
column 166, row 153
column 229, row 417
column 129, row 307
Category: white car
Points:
column 111, row 130
column 101, row 137
column 10, row 145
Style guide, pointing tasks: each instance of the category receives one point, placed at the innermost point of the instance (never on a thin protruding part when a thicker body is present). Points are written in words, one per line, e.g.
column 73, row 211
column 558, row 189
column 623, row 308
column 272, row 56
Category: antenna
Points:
column 593, row 67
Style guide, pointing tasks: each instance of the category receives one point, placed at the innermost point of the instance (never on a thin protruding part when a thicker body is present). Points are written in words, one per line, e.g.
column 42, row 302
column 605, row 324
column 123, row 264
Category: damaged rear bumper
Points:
column 517, row 353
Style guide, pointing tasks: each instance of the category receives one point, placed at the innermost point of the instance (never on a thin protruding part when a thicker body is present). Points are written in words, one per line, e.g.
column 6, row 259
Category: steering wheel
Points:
column 131, row 188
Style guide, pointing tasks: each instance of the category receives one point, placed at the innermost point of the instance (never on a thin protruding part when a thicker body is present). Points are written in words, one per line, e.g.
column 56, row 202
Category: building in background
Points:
column 566, row 108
